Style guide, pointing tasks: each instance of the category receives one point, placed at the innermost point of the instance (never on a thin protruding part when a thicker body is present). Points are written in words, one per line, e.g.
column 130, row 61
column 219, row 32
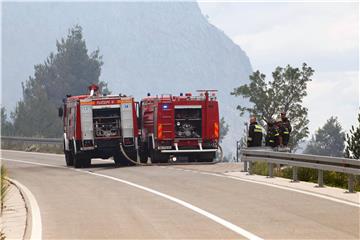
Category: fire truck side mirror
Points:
column 60, row 112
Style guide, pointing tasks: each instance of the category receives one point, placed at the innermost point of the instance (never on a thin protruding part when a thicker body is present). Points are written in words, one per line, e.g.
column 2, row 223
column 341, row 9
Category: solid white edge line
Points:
column 298, row 191
column 353, row 204
column 35, row 153
column 36, row 226
column 198, row 210
column 53, row 155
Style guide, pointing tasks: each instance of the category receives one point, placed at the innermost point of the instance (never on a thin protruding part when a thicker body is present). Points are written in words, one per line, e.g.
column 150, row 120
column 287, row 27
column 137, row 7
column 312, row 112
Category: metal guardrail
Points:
column 321, row 163
column 31, row 140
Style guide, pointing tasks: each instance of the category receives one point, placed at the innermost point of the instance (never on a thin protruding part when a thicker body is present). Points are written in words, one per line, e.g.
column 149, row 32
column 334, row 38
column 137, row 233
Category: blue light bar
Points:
column 165, row 106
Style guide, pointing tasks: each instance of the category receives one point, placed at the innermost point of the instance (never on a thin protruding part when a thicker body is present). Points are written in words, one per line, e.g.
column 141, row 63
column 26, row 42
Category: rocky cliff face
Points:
column 163, row 47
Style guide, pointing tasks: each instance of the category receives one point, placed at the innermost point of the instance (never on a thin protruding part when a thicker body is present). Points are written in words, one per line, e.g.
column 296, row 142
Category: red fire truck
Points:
column 181, row 128
column 97, row 126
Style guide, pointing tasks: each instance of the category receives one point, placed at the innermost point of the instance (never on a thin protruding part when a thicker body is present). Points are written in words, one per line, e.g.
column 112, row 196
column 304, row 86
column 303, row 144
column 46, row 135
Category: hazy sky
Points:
column 324, row 35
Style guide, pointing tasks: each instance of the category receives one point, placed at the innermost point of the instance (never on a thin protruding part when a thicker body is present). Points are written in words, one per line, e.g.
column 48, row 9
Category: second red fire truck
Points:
column 181, row 128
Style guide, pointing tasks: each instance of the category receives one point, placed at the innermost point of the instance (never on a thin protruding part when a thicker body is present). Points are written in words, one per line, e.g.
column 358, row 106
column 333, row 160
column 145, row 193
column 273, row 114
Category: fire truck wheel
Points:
column 78, row 161
column 206, row 157
column 120, row 160
column 69, row 159
column 86, row 162
column 143, row 155
column 157, row 157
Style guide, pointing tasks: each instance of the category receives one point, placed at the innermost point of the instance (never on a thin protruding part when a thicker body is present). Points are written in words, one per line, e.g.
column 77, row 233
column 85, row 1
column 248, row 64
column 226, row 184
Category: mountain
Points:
column 156, row 47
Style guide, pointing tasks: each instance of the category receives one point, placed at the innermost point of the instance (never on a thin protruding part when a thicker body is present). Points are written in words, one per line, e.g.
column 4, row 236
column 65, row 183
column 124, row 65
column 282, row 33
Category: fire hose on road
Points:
column 220, row 158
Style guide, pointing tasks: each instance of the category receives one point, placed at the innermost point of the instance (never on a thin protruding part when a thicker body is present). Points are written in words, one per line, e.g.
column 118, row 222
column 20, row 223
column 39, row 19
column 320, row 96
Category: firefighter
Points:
column 272, row 136
column 285, row 129
column 279, row 139
column 255, row 133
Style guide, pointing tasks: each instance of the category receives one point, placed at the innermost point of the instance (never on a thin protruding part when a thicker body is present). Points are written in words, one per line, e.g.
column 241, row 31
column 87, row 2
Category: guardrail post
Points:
column 251, row 166
column 295, row 174
column 271, row 170
column 245, row 166
column 320, row 178
column 351, row 183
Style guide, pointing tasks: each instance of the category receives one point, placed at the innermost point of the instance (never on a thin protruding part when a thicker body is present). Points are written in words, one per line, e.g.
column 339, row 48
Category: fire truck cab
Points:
column 95, row 126
column 181, row 128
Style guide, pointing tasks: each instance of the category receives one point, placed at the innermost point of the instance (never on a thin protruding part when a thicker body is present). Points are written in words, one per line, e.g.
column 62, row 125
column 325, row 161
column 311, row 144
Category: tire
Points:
column 78, row 161
column 86, row 162
column 158, row 157
column 69, row 159
column 206, row 157
column 144, row 153
column 120, row 160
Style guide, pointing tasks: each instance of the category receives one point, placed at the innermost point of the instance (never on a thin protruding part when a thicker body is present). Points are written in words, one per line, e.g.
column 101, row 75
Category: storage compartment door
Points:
column 86, row 116
column 188, row 122
column 127, row 121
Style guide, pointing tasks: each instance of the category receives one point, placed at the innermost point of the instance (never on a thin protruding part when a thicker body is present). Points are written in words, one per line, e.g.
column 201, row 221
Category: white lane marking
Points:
column 36, row 226
column 202, row 212
column 279, row 187
column 34, row 163
column 206, row 214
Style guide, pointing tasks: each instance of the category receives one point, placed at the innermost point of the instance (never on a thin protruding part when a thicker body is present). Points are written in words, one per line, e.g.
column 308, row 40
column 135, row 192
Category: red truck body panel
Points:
column 183, row 123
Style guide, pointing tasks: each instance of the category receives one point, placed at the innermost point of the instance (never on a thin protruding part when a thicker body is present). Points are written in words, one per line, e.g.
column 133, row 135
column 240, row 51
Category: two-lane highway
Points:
column 161, row 202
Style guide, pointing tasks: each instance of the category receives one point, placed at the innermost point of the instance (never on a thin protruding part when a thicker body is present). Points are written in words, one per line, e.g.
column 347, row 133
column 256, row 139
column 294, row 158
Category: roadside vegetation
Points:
column 4, row 184
column 332, row 179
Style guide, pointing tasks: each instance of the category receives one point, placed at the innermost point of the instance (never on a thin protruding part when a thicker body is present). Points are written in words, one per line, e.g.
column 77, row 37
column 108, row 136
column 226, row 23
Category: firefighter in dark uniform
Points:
column 285, row 129
column 255, row 134
column 272, row 136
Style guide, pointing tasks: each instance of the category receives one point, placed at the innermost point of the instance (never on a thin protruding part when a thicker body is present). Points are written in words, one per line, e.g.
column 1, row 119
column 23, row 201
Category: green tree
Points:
column 68, row 71
column 284, row 93
column 7, row 128
column 224, row 129
column 353, row 142
column 328, row 140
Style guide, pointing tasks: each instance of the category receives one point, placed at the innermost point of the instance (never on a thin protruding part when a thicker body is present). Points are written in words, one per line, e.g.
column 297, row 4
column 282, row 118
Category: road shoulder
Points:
column 233, row 170
column 14, row 217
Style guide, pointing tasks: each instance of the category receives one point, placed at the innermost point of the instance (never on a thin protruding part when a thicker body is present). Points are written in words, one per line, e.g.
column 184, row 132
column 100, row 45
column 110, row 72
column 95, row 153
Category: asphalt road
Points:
column 159, row 202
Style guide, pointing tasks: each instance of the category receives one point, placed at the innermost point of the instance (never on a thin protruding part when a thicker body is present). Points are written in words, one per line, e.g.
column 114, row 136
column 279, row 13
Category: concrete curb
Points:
column 14, row 214
column 309, row 188
column 33, row 229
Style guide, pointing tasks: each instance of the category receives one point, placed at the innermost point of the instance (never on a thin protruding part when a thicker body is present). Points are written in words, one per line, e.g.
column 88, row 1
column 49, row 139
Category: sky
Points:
column 324, row 35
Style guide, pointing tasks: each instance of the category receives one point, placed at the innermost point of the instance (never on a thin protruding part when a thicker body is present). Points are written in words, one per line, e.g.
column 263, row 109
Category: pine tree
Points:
column 328, row 140
column 68, row 71
column 353, row 142
column 7, row 128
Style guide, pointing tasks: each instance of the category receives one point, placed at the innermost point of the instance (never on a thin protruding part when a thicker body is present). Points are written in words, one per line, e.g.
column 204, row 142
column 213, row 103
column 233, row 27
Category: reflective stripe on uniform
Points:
column 258, row 128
